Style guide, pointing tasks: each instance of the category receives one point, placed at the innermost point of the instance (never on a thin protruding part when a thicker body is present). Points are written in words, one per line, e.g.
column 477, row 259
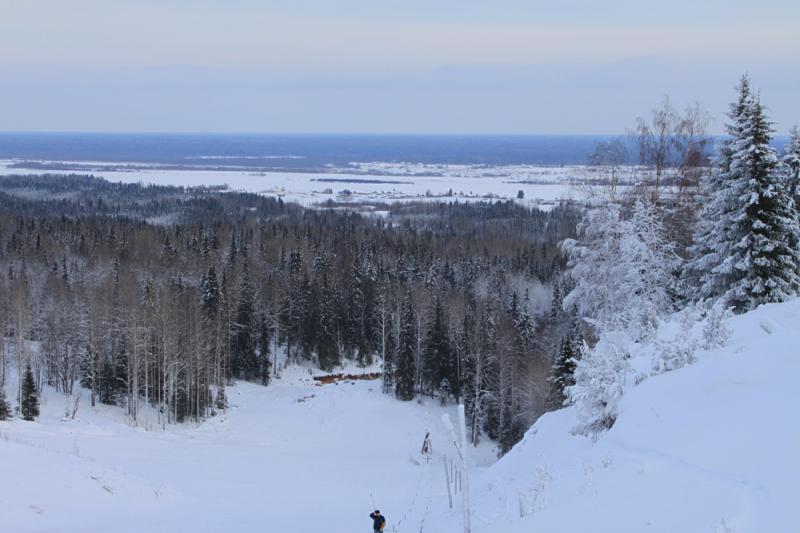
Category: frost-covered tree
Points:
column 29, row 404
column 649, row 262
column 623, row 269
column 746, row 246
column 595, row 266
column 600, row 378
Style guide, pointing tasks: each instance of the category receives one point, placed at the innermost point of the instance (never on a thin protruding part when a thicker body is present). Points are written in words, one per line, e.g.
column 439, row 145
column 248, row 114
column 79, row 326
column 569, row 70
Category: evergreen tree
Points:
column 210, row 294
column 405, row 373
column 168, row 252
column 327, row 334
column 309, row 317
column 221, row 400
column 791, row 165
column 368, row 319
column 715, row 233
column 388, row 370
column 296, row 300
column 489, row 383
column 563, row 375
column 746, row 250
column 29, row 406
column 469, row 373
column 438, row 361
column 264, row 338
column 5, row 408
column 765, row 258
column 244, row 364
column 557, row 303
column 511, row 430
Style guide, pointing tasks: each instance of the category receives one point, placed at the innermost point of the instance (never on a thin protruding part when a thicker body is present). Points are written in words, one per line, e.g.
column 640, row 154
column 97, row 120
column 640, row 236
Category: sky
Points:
column 387, row 66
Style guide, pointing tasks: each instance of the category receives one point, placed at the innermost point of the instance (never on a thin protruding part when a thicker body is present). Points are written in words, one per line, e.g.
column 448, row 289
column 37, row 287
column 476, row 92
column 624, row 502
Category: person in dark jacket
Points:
column 378, row 521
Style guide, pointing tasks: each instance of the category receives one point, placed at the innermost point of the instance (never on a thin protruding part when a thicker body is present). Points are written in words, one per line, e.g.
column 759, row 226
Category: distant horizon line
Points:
column 776, row 134
column 310, row 133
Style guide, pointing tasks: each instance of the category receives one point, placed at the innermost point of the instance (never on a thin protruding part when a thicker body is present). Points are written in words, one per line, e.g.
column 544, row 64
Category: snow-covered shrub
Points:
column 702, row 326
column 678, row 351
column 600, row 378
column 676, row 354
column 716, row 330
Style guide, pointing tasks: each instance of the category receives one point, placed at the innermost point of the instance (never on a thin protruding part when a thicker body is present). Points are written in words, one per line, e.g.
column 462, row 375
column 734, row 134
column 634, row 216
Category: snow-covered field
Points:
column 373, row 183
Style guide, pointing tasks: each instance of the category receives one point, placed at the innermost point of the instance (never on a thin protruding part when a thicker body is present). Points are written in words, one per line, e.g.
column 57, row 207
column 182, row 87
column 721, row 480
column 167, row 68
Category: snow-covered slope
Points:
column 711, row 447
column 290, row 457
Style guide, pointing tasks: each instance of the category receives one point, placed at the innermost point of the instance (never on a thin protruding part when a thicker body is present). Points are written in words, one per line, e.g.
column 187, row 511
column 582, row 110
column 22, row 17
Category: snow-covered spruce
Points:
column 791, row 165
column 745, row 250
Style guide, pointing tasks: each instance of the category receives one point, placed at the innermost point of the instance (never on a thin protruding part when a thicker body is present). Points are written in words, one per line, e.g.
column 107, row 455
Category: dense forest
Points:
column 164, row 296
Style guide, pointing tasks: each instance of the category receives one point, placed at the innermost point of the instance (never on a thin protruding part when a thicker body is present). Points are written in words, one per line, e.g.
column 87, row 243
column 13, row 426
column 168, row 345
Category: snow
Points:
column 287, row 457
column 711, row 447
column 542, row 186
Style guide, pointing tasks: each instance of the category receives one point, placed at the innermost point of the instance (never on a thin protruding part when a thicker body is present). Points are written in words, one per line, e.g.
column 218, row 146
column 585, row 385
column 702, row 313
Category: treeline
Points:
column 453, row 299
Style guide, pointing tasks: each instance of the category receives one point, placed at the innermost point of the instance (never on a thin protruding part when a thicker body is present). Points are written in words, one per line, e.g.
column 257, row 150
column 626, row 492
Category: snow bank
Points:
column 710, row 447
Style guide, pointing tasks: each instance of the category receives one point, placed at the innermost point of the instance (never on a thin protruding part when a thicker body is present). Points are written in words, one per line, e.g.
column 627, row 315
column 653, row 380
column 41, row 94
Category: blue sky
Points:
column 500, row 66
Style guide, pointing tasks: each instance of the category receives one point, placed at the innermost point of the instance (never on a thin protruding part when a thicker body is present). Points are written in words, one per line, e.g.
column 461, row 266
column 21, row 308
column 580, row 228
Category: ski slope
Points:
column 289, row 457
column 712, row 447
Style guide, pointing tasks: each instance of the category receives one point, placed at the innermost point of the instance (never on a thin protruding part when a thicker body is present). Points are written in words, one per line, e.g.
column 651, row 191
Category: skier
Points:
column 378, row 521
